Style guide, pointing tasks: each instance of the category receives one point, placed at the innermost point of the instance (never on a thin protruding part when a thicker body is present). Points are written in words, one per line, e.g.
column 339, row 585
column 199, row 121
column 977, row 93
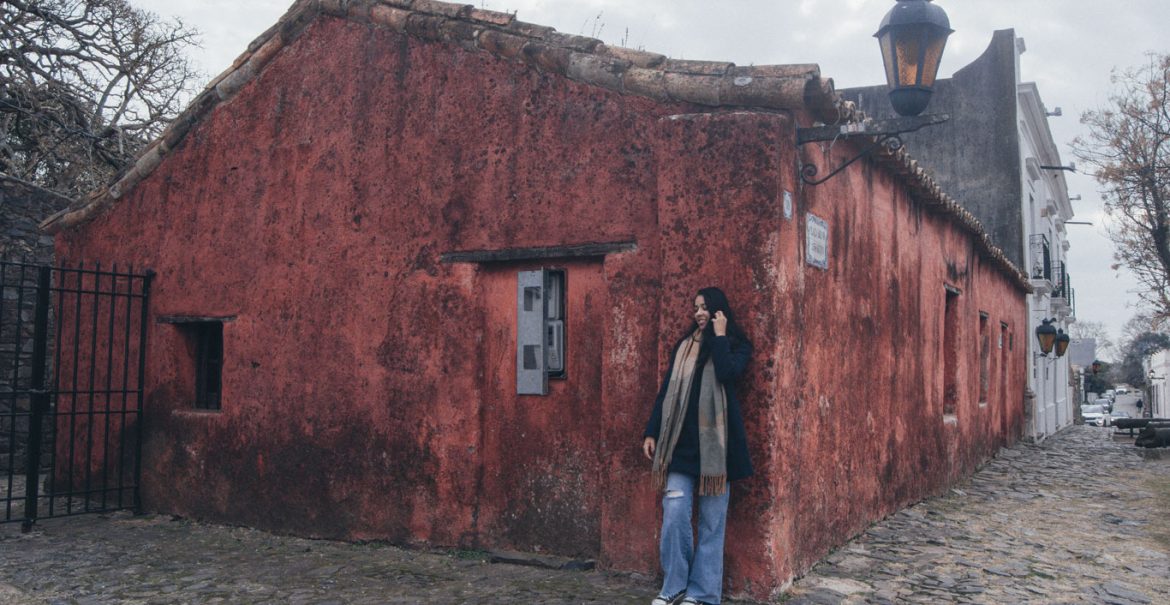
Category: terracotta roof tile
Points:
column 547, row 58
column 602, row 71
column 531, row 30
column 394, row 18
column 636, row 57
column 493, row 17
column 578, row 43
column 705, row 68
column 646, row 82
column 446, row 9
column 507, row 45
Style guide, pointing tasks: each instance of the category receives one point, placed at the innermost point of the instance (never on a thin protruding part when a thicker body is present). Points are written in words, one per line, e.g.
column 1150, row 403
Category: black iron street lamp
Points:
column 1046, row 334
column 1051, row 340
column 1062, row 341
column 912, row 37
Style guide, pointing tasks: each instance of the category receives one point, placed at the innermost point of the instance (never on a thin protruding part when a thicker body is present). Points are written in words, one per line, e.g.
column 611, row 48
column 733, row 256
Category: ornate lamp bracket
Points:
column 881, row 132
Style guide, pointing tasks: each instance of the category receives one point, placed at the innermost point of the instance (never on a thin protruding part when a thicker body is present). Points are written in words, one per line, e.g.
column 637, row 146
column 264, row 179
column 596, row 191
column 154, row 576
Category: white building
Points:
column 1157, row 396
column 1046, row 208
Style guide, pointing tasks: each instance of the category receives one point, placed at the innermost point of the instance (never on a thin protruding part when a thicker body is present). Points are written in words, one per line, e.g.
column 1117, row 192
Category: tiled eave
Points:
column 926, row 191
column 579, row 58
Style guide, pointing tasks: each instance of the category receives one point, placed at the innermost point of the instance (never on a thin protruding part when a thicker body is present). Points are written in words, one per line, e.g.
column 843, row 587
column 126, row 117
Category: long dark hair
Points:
column 716, row 300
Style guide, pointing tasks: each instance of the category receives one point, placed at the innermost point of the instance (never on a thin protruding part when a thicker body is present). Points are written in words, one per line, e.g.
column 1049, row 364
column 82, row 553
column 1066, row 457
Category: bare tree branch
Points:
column 84, row 85
column 1128, row 149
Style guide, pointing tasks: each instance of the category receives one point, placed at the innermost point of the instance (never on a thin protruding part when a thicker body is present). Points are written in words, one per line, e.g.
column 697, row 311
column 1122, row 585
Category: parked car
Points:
column 1105, row 403
column 1111, row 416
column 1093, row 414
column 1111, row 394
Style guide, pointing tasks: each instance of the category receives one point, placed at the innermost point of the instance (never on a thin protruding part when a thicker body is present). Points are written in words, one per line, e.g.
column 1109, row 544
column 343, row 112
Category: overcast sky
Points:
column 1072, row 47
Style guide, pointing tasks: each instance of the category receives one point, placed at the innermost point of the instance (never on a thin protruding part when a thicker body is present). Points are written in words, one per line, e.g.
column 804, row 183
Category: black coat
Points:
column 730, row 356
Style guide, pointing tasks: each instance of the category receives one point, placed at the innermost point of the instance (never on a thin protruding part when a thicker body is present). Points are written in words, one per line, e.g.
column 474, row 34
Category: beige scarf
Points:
column 712, row 422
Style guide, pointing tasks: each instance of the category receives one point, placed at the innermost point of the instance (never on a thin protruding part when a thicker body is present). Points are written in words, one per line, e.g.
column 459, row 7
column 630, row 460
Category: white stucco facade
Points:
column 1157, row 397
column 1045, row 209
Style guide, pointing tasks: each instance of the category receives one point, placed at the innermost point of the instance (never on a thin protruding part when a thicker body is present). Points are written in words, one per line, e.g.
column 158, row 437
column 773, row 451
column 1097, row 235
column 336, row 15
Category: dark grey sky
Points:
column 1072, row 46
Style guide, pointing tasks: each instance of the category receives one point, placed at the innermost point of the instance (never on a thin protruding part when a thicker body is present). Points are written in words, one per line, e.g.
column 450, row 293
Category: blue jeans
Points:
column 698, row 570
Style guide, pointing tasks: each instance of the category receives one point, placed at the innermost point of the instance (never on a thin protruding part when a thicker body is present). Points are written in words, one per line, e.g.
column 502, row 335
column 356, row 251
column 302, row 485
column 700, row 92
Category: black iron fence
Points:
column 72, row 371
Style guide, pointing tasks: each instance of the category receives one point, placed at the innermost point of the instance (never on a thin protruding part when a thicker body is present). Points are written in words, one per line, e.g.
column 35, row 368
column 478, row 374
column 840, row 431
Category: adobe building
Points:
column 997, row 157
column 419, row 265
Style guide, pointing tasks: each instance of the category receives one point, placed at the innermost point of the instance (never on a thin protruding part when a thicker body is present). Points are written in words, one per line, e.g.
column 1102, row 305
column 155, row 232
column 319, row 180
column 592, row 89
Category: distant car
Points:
column 1121, row 391
column 1111, row 416
column 1093, row 414
column 1111, row 394
column 1105, row 403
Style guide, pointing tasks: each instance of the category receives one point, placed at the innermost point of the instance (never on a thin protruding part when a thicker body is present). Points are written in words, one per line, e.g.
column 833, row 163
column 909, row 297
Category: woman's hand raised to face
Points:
column 719, row 322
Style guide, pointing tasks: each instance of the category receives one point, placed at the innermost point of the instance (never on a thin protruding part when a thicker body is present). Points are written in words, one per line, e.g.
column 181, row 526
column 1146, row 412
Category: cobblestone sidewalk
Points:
column 1079, row 518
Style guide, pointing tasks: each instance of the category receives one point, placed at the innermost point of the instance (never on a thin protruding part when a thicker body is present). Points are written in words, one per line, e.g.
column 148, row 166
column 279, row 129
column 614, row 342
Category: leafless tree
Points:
column 1136, row 326
column 84, row 85
column 1095, row 330
column 1128, row 148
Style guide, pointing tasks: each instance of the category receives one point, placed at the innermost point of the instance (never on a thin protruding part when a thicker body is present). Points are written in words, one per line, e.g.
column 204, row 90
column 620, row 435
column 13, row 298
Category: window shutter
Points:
column 531, row 377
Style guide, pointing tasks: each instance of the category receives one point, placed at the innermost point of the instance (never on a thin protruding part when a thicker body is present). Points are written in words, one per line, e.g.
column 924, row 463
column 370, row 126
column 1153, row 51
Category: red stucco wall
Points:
column 369, row 387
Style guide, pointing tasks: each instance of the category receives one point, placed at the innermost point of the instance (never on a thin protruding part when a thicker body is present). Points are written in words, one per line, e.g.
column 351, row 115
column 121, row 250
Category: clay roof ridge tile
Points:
column 600, row 70
column 570, row 41
column 531, row 30
column 390, row 16
column 638, row 58
column 446, row 9
column 492, row 17
column 700, row 68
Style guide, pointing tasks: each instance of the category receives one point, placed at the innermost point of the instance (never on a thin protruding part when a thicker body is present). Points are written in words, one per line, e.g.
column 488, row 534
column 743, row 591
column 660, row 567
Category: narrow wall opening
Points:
column 951, row 354
column 984, row 359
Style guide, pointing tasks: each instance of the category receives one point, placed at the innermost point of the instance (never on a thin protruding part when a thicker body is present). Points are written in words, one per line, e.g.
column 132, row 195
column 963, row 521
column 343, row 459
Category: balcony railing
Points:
column 1063, row 292
column 1041, row 257
column 1059, row 280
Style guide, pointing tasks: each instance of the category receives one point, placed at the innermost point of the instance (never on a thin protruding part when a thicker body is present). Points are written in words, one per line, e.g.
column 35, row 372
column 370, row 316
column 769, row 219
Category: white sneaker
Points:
column 661, row 600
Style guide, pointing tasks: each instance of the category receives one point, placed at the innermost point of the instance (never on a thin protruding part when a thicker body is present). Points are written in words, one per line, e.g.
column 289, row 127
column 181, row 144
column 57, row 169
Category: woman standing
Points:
column 696, row 440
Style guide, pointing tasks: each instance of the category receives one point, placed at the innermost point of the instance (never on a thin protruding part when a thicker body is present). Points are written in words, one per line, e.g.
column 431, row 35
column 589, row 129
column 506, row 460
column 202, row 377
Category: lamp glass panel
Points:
column 934, row 51
column 1047, row 339
column 889, row 59
column 909, row 48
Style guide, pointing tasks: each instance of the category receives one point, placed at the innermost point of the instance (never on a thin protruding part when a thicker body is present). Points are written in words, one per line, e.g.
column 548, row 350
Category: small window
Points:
column 951, row 353
column 984, row 358
column 207, row 340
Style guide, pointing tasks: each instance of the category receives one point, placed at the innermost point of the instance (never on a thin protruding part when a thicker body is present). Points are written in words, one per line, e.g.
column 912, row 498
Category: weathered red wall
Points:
column 369, row 388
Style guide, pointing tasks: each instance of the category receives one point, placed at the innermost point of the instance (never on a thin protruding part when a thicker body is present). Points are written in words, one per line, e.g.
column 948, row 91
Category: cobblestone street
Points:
column 1080, row 518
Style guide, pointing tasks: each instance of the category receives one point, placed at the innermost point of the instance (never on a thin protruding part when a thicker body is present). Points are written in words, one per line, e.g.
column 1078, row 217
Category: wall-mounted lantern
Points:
column 1062, row 341
column 912, row 37
column 1046, row 334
